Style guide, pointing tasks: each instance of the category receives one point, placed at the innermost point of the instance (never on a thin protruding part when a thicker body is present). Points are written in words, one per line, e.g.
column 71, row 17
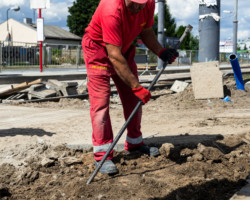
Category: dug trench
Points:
column 202, row 156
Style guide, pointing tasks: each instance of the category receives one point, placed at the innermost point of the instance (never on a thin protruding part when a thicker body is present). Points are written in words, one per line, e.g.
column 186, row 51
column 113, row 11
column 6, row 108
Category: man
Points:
column 108, row 53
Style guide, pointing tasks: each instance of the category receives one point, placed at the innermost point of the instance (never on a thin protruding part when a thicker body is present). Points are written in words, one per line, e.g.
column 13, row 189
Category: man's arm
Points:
column 149, row 39
column 167, row 55
column 121, row 66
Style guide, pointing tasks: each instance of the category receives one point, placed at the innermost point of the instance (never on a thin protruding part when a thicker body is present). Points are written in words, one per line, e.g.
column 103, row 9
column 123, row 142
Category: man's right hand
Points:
column 142, row 93
column 168, row 55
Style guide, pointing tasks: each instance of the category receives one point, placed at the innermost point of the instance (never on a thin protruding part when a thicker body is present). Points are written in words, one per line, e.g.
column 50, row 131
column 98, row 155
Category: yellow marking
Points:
column 99, row 67
column 143, row 24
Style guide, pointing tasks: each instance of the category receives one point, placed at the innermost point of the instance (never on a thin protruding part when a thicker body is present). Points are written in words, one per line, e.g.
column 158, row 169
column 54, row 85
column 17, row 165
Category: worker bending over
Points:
column 109, row 53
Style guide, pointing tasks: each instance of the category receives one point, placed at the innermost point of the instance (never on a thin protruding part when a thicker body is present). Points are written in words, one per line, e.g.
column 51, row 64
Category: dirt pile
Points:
column 188, row 172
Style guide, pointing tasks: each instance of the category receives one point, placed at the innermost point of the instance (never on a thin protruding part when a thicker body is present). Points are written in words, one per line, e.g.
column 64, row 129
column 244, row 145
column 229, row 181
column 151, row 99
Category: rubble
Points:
column 41, row 90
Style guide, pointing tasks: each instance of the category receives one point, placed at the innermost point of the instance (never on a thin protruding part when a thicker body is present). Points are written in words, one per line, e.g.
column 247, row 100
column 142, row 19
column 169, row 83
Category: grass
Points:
column 246, row 76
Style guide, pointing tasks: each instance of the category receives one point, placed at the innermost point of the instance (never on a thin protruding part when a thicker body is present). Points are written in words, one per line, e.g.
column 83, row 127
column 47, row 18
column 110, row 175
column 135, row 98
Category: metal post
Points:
column 209, row 30
column 48, row 55
column 40, row 45
column 190, row 56
column 235, row 22
column 44, row 54
column 1, row 58
column 78, row 55
column 8, row 35
column 161, row 14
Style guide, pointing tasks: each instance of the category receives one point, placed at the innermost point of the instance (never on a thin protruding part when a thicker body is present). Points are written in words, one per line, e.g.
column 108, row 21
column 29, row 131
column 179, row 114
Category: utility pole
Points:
column 235, row 22
column 161, row 38
column 209, row 30
column 41, row 41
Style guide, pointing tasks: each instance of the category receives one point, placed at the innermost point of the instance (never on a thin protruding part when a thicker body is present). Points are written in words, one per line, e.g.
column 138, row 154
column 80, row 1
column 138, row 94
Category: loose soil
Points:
column 203, row 155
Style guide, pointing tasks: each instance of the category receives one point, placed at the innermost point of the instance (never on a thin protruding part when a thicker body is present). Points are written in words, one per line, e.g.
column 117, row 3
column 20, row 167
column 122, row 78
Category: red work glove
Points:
column 168, row 55
column 142, row 93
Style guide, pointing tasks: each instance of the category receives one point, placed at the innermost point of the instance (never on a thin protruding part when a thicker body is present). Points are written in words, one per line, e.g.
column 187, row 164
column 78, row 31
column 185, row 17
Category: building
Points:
column 26, row 33
column 226, row 46
column 244, row 44
column 19, row 44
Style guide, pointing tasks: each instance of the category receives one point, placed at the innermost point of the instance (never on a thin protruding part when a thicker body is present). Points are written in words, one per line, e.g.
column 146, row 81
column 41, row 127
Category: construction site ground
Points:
column 45, row 149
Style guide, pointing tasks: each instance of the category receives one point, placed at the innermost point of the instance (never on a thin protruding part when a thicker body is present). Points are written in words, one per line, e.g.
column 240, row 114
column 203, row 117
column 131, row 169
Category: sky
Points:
column 184, row 11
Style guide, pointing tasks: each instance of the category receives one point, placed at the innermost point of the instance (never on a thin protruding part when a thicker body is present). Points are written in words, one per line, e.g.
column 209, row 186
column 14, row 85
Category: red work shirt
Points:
column 113, row 23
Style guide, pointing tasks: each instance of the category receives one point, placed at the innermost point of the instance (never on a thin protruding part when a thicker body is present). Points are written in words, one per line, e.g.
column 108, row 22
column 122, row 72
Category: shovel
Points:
column 139, row 104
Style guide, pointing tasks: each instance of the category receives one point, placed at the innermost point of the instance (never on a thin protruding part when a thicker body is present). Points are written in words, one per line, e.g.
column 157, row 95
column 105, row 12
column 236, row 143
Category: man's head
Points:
column 135, row 5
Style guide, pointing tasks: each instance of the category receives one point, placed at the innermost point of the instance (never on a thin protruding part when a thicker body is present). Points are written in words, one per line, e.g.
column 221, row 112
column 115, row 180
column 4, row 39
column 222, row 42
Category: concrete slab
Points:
column 179, row 86
column 207, row 80
column 62, row 88
column 40, row 91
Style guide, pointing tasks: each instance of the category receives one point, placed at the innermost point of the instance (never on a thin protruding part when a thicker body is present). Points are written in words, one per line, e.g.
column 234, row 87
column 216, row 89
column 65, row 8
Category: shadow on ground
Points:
column 24, row 131
column 212, row 190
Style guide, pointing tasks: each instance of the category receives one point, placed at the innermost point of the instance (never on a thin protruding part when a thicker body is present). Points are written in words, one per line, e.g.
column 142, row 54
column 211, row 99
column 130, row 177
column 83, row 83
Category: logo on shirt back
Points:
column 143, row 24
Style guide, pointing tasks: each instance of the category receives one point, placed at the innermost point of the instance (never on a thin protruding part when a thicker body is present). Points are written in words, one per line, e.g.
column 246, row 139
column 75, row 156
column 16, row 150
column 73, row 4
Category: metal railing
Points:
column 188, row 57
column 17, row 54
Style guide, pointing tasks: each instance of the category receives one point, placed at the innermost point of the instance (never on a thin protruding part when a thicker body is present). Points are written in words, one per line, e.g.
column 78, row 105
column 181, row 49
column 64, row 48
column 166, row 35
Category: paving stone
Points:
column 179, row 86
column 207, row 80
column 63, row 88
column 39, row 91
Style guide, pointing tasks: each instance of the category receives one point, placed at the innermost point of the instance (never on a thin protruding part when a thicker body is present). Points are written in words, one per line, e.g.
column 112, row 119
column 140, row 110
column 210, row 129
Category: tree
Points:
column 169, row 23
column 80, row 15
column 245, row 47
column 190, row 42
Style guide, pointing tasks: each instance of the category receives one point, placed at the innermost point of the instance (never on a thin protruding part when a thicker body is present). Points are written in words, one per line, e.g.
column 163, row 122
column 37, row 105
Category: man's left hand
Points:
column 168, row 55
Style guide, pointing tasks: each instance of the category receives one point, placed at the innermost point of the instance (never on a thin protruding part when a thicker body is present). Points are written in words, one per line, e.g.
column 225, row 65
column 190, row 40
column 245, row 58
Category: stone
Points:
column 53, row 155
column 197, row 157
column 39, row 91
column 46, row 162
column 63, row 88
column 70, row 161
column 190, row 159
column 166, row 149
column 179, row 86
column 200, row 147
column 82, row 87
column 101, row 196
column 207, row 80
column 247, row 86
column 40, row 140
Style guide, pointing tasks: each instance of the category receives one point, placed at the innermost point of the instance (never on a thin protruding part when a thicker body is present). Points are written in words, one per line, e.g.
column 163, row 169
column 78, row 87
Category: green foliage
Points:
column 190, row 42
column 245, row 47
column 169, row 24
column 80, row 15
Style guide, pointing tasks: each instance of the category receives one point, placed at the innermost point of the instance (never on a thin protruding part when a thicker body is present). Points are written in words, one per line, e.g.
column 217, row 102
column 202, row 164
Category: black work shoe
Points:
column 144, row 149
column 108, row 167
